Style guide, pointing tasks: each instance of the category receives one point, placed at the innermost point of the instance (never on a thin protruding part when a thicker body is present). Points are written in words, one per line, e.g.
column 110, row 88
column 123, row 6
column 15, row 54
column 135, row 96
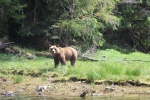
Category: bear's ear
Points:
column 57, row 45
column 50, row 45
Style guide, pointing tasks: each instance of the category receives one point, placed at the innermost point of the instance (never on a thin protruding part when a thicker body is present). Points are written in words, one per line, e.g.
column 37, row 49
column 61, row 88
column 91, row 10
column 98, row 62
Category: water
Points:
column 29, row 97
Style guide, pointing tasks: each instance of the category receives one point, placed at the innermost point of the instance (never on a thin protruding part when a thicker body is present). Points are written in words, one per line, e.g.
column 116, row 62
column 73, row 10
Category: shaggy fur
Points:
column 63, row 54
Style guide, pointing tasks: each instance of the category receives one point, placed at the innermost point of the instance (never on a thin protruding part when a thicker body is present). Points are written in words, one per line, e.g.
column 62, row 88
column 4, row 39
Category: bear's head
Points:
column 54, row 49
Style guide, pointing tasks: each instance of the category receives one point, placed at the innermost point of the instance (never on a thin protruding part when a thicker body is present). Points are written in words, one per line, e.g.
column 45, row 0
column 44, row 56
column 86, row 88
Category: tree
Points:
column 85, row 20
column 77, row 20
column 10, row 9
column 135, row 24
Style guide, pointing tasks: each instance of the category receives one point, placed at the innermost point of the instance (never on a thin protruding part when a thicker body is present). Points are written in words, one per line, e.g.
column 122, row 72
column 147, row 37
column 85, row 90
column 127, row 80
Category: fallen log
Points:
column 4, row 45
column 85, row 58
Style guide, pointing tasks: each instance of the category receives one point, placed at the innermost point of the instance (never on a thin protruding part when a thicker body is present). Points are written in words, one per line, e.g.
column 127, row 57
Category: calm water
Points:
column 25, row 97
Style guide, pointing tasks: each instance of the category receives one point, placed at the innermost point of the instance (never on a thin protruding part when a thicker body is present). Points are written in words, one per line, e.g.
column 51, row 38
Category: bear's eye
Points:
column 51, row 49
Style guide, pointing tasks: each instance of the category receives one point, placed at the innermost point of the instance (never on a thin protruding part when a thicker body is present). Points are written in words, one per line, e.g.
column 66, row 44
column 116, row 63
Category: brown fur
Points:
column 63, row 54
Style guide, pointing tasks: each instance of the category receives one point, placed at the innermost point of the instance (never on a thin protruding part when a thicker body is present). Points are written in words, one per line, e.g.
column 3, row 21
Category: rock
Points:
column 74, row 79
column 148, row 92
column 104, row 57
column 54, row 75
column 3, row 79
column 128, row 84
column 83, row 86
column 98, row 82
column 83, row 94
column 21, row 90
column 109, row 89
column 55, row 86
column 123, row 89
column 42, row 88
column 30, row 56
column 96, row 94
column 9, row 93
column 50, row 79
column 76, row 88
column 9, row 50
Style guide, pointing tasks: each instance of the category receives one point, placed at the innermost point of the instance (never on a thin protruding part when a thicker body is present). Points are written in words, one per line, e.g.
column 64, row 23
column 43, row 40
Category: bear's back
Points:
column 70, row 52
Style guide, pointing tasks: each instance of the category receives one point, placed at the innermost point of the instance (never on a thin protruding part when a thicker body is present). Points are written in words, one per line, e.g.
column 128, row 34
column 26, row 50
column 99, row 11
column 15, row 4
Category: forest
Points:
column 102, row 23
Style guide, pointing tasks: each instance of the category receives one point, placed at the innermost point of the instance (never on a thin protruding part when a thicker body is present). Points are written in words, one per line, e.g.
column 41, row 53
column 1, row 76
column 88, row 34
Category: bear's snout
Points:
column 52, row 50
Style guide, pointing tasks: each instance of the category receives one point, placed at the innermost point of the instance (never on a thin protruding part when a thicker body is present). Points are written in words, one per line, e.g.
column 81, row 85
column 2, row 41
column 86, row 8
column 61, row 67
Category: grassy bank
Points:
column 113, row 65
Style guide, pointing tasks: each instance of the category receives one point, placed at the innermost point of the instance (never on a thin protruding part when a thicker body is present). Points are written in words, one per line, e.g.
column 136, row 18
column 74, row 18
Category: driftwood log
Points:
column 4, row 42
column 5, row 45
column 85, row 58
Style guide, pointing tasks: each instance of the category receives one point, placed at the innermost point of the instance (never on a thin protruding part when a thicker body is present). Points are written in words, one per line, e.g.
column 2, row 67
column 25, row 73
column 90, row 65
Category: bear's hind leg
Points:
column 73, row 62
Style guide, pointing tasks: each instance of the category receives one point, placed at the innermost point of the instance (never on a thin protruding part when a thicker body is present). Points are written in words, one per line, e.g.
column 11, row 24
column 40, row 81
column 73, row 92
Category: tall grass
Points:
column 17, row 78
column 116, row 66
column 134, row 72
column 113, row 65
column 109, row 70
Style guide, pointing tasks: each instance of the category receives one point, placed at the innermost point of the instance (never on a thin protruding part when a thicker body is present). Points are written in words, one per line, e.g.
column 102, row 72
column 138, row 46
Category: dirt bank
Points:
column 35, row 86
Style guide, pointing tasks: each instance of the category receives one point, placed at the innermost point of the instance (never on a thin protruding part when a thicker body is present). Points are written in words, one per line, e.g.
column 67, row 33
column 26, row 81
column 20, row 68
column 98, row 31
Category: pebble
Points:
column 96, row 94
column 109, row 89
column 128, row 84
column 9, row 93
column 21, row 90
column 83, row 94
column 42, row 88
column 83, row 86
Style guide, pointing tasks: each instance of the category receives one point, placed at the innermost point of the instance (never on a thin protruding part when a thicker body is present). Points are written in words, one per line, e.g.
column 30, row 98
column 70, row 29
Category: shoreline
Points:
column 35, row 86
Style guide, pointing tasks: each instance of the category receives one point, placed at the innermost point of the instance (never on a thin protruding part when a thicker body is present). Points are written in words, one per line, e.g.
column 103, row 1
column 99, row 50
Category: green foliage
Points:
column 134, row 72
column 146, row 2
column 14, row 9
column 86, row 28
column 114, row 67
column 148, row 20
column 11, row 11
column 70, row 19
column 135, row 24
column 86, row 19
column 17, row 78
column 92, row 75
column 83, row 21
column 80, row 20
column 104, row 13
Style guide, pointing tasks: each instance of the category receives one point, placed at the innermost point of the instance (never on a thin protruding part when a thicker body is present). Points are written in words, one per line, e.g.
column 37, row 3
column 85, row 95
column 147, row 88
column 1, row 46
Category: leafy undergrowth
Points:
column 112, row 65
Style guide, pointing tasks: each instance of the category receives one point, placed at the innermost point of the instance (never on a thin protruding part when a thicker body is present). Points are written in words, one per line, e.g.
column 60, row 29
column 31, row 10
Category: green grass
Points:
column 113, row 65
column 17, row 78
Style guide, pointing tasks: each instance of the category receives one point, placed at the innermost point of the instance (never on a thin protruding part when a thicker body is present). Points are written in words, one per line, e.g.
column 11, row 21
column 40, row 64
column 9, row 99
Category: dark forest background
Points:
column 103, row 23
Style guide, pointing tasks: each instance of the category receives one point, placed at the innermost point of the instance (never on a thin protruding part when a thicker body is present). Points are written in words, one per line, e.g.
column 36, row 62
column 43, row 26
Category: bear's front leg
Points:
column 56, row 61
column 63, row 61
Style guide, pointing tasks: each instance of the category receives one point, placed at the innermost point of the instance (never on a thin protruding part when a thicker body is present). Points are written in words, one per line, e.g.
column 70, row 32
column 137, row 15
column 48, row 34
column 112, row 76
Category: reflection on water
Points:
column 27, row 97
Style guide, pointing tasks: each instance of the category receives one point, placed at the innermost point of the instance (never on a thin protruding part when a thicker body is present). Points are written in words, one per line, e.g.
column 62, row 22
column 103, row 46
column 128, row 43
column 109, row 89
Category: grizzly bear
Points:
column 63, row 54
